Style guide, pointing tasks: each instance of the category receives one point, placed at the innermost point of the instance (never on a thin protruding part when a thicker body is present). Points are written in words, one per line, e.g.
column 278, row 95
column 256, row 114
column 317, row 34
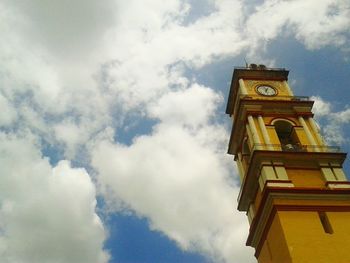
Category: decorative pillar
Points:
column 250, row 137
column 316, row 131
column 264, row 133
column 308, row 133
column 254, row 131
column 242, row 87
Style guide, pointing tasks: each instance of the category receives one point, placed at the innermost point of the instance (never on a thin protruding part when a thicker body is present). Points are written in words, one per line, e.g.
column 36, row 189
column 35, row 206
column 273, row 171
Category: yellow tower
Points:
column 293, row 187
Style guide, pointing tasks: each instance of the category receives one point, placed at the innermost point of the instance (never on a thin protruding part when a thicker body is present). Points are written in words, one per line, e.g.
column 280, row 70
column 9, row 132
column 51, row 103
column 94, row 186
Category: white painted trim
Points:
column 250, row 137
column 254, row 131
column 241, row 171
column 242, row 87
column 282, row 119
column 316, row 131
column 307, row 132
column 264, row 133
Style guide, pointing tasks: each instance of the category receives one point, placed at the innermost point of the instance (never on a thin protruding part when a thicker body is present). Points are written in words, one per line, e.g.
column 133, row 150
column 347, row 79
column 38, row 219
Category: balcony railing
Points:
column 290, row 147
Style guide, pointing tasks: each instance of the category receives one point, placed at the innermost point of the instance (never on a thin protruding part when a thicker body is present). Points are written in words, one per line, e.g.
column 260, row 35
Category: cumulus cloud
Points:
column 177, row 176
column 91, row 60
column 138, row 64
column 191, row 107
column 321, row 107
column 181, row 186
column 49, row 55
column 47, row 213
column 334, row 130
column 65, row 28
column 131, row 63
column 70, row 71
column 156, row 39
column 314, row 23
column 9, row 114
column 334, row 122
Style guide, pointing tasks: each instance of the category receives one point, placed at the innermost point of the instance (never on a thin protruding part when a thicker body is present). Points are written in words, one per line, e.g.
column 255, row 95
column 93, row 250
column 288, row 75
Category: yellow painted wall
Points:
column 306, row 178
column 268, row 119
column 265, row 254
column 299, row 237
column 273, row 135
column 310, row 202
column 307, row 240
column 252, row 84
column 275, row 249
column 300, row 135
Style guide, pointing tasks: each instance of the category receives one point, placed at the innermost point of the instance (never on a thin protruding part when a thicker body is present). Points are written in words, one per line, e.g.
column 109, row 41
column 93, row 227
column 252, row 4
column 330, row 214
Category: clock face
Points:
column 266, row 90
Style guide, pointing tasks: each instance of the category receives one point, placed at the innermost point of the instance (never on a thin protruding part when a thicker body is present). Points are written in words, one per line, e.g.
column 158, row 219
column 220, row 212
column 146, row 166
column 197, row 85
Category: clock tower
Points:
column 293, row 188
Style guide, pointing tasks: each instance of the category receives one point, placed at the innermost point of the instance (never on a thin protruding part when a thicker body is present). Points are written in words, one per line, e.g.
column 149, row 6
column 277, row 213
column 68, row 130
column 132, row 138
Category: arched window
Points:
column 284, row 131
column 287, row 138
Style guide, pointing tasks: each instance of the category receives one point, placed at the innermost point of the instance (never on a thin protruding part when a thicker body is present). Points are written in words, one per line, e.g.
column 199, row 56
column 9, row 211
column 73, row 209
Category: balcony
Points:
column 291, row 147
column 284, row 106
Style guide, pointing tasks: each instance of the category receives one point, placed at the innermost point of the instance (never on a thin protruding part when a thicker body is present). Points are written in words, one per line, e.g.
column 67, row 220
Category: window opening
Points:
column 327, row 227
column 284, row 130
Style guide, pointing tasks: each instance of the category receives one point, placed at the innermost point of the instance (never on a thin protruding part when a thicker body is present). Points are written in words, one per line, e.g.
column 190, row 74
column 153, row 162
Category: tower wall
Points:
column 307, row 240
column 294, row 190
column 275, row 248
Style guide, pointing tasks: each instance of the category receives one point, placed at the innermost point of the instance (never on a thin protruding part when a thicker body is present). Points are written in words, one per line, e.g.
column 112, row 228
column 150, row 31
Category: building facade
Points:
column 293, row 187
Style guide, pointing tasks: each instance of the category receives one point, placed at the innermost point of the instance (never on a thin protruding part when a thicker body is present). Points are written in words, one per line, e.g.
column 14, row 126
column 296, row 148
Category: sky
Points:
column 113, row 136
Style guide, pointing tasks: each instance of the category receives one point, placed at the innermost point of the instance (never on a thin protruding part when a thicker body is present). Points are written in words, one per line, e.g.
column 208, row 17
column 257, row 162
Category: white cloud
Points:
column 191, row 107
column 65, row 28
column 49, row 54
column 177, row 176
column 8, row 113
column 181, row 186
column 70, row 69
column 334, row 122
column 335, row 128
column 141, row 54
column 321, row 107
column 316, row 23
column 47, row 214
column 137, row 42
column 155, row 38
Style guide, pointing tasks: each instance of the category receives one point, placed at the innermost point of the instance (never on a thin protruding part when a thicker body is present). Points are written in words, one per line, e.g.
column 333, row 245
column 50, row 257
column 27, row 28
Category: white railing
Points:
column 295, row 147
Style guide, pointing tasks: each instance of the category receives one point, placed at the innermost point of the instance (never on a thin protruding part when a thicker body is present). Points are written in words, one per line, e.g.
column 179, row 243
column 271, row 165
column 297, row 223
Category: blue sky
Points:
column 113, row 136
